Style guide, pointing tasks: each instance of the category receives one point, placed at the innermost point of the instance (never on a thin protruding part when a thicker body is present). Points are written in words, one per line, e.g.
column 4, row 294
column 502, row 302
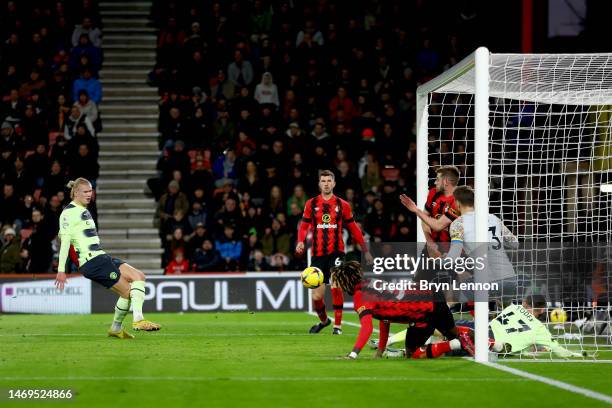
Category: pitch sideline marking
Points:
column 233, row 378
column 584, row 361
column 555, row 383
column 161, row 335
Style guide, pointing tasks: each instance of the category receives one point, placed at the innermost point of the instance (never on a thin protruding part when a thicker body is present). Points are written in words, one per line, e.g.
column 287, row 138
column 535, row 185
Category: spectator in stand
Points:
column 87, row 28
column 207, row 258
column 52, row 213
column 240, row 71
column 171, row 201
column 258, row 262
column 298, row 198
column 82, row 136
column 85, row 48
column 88, row 83
column 178, row 220
column 38, row 165
column 266, row 92
column 87, row 107
column 230, row 248
column 34, row 83
column 75, row 119
column 197, row 216
column 224, row 131
column 171, row 128
column 174, row 243
column 221, row 87
column 275, row 204
column 178, row 265
column 346, row 179
column 21, row 178
column 341, row 102
column 197, row 237
column 276, row 246
column 290, row 127
column 378, row 222
column 9, row 204
column 33, row 129
column 229, row 215
column 38, row 245
column 85, row 165
column 177, row 160
column 223, row 168
column 11, row 259
column 58, row 114
column 369, row 173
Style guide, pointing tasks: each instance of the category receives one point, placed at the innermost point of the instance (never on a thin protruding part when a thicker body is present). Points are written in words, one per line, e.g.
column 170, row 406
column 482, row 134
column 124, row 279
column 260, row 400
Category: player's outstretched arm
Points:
column 436, row 224
column 351, row 225
column 383, row 338
column 365, row 331
column 456, row 235
column 64, row 238
column 305, row 224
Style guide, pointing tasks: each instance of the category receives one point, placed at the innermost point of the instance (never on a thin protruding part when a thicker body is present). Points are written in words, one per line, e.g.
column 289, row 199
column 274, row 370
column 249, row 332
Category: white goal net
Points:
column 549, row 161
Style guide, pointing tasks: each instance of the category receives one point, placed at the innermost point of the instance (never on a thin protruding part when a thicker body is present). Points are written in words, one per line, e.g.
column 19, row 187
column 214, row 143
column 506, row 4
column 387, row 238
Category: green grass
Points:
column 262, row 359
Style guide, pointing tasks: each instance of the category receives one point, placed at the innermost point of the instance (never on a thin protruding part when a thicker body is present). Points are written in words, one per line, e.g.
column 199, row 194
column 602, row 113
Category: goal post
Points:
column 532, row 133
column 478, row 63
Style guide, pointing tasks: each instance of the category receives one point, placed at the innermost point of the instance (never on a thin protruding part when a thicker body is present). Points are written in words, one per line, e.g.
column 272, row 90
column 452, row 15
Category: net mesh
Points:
column 550, row 151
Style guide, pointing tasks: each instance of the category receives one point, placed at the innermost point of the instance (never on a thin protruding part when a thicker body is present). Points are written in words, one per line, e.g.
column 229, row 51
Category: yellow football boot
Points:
column 121, row 334
column 145, row 325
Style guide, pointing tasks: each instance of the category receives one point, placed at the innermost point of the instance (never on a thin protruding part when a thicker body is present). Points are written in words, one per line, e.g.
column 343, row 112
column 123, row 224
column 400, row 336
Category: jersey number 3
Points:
column 495, row 238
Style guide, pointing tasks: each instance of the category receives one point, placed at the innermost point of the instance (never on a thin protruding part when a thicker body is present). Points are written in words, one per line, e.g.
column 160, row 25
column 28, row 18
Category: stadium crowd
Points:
column 257, row 96
column 50, row 55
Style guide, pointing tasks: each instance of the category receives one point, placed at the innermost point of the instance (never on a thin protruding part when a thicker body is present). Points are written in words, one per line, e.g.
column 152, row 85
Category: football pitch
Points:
column 260, row 359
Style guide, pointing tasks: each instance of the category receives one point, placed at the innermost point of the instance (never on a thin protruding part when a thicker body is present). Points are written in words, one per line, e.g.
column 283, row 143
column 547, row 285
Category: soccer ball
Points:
column 558, row 316
column 312, row 277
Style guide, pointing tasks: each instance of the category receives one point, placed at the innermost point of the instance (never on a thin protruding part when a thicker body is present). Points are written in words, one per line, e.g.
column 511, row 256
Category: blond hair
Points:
column 73, row 185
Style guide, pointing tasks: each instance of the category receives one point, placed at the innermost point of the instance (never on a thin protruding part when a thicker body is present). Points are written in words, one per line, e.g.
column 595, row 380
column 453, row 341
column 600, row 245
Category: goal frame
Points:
column 479, row 62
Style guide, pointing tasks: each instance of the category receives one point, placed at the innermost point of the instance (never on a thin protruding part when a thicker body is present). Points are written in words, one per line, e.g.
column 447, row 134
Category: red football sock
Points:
column 338, row 301
column 419, row 353
column 439, row 349
column 432, row 350
column 319, row 307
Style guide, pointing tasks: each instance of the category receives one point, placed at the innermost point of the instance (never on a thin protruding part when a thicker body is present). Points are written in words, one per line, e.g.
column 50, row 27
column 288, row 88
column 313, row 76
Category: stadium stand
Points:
column 256, row 97
column 50, row 56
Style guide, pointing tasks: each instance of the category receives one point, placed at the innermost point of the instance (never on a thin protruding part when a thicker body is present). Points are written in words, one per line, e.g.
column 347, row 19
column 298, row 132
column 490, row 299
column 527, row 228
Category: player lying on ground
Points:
column 421, row 314
column 327, row 215
column 78, row 228
column 516, row 329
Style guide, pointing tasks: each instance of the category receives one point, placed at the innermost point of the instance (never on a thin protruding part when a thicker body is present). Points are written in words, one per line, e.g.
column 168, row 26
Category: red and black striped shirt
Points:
column 438, row 205
column 327, row 219
column 414, row 308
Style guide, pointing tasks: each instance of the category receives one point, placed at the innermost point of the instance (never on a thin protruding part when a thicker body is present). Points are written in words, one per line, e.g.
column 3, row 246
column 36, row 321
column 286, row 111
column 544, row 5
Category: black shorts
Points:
column 441, row 318
column 326, row 262
column 102, row 269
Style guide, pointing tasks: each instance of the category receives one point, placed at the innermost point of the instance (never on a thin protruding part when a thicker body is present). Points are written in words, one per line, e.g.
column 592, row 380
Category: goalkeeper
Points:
column 516, row 329
column 78, row 228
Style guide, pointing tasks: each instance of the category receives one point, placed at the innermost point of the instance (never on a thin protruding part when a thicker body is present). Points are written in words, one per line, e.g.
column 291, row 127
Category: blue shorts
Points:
column 102, row 269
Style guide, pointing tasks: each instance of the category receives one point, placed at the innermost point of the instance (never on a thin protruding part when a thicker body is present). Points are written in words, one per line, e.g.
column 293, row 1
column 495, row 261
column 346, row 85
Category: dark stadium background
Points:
column 343, row 98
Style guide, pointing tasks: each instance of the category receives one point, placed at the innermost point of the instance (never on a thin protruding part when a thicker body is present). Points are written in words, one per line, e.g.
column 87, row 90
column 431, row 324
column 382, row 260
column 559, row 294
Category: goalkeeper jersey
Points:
column 520, row 329
column 78, row 228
